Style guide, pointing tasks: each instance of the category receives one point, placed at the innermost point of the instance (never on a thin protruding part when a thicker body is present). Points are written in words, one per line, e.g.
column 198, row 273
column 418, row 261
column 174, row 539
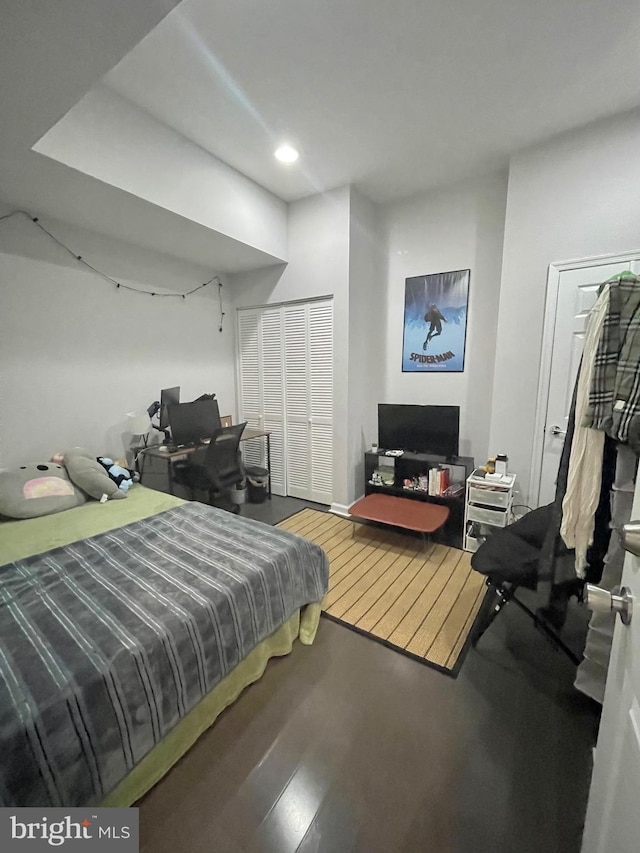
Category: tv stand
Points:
column 407, row 476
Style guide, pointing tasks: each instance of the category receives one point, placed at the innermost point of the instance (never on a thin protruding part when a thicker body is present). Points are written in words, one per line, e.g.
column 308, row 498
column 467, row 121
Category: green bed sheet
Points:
column 29, row 536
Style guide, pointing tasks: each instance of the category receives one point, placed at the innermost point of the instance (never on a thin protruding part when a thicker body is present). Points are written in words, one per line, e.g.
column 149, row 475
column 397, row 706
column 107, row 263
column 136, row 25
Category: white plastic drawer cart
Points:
column 488, row 504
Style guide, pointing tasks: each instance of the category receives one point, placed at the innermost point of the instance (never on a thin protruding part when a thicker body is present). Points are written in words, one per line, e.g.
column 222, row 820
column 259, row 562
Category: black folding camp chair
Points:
column 510, row 558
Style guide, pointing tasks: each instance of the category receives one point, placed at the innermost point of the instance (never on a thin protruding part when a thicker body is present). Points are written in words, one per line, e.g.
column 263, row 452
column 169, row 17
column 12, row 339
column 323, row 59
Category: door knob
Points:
column 556, row 430
column 630, row 536
column 602, row 601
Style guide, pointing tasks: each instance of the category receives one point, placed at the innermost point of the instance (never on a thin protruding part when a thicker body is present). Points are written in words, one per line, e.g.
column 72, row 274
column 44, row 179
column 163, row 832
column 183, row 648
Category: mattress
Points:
column 109, row 642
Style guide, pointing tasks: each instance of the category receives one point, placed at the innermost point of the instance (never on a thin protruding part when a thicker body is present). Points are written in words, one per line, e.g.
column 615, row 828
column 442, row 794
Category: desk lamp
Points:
column 139, row 424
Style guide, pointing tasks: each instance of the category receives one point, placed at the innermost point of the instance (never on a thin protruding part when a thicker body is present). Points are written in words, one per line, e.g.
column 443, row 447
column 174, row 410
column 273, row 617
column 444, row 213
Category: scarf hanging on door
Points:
column 585, row 462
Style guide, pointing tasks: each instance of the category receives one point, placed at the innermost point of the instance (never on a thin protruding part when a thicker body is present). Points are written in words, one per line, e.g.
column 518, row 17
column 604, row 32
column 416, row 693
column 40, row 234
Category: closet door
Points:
column 249, row 367
column 308, row 348
column 261, row 388
column 272, row 379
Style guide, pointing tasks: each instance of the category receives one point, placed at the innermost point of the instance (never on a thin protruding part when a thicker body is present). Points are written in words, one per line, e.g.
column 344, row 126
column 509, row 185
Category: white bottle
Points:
column 502, row 463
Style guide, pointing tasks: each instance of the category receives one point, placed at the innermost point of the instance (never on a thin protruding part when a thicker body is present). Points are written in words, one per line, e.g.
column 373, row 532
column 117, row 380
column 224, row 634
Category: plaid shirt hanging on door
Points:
column 614, row 398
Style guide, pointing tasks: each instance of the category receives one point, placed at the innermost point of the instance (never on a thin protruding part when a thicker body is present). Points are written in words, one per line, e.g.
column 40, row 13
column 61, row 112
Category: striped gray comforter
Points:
column 107, row 643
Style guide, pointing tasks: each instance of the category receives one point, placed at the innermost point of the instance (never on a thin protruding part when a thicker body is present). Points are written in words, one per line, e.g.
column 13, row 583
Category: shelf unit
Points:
column 488, row 504
column 412, row 466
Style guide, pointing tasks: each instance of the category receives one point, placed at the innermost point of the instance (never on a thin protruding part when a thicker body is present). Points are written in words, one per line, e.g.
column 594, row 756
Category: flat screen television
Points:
column 420, row 429
column 193, row 422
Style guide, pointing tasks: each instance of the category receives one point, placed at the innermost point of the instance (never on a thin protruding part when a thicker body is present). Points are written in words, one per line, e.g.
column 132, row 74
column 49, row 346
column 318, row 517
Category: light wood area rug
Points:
column 420, row 599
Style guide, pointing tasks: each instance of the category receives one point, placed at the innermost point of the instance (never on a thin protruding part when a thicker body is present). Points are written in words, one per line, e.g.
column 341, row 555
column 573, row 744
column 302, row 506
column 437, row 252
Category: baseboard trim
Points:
column 340, row 509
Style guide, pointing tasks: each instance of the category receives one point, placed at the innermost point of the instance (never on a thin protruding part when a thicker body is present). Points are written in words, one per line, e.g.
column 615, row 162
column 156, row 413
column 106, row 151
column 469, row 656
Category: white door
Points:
column 321, row 401
column 613, row 815
column 285, row 373
column 308, row 341
column 262, row 388
column 572, row 289
column 249, row 368
column 273, row 396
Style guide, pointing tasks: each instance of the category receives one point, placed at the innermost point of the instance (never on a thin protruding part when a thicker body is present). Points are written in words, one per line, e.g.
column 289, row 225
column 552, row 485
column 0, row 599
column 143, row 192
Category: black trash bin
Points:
column 257, row 483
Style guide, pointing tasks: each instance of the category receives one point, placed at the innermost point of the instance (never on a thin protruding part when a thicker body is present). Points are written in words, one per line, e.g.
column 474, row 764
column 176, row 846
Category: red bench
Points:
column 420, row 516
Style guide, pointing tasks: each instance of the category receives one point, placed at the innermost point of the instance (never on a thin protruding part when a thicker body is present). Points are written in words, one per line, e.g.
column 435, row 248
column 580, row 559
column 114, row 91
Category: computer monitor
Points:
column 193, row 422
column 167, row 397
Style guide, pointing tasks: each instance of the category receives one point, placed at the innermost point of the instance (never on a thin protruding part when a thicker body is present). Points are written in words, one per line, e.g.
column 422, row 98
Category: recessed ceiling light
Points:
column 286, row 154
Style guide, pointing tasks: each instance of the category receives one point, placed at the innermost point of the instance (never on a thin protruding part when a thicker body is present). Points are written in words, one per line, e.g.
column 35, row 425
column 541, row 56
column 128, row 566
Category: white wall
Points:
column 340, row 244
column 571, row 198
column 109, row 138
column 460, row 227
column 318, row 254
column 367, row 347
column 318, row 266
column 76, row 354
column 51, row 53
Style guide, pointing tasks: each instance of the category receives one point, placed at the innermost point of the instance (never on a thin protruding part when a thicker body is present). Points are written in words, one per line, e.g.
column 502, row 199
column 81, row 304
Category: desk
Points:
column 167, row 456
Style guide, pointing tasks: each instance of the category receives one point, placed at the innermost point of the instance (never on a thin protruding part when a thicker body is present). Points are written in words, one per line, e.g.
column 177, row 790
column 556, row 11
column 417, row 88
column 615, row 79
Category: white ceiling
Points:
column 395, row 97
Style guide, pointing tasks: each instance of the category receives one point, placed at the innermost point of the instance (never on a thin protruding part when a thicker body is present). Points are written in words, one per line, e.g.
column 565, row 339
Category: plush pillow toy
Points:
column 87, row 473
column 38, row 489
column 124, row 478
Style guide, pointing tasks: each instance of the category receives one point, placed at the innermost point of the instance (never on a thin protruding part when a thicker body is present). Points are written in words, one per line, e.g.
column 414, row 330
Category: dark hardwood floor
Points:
column 349, row 746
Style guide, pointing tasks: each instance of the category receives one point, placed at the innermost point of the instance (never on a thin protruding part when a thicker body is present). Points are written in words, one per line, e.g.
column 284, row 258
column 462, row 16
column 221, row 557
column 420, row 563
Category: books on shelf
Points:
column 435, row 483
column 441, row 479
column 438, row 481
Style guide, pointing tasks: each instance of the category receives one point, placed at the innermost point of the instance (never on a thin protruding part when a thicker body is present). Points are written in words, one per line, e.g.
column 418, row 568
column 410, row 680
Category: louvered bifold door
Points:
column 261, row 388
column 308, row 336
column 272, row 377
column 321, row 400
column 297, row 402
column 250, row 384
column 249, row 359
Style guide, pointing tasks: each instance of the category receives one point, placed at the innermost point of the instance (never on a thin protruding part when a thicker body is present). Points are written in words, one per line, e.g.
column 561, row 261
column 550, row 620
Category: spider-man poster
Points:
column 435, row 322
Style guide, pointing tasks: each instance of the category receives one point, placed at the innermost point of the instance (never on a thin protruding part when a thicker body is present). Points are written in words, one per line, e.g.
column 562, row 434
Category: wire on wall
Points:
column 220, row 299
column 118, row 284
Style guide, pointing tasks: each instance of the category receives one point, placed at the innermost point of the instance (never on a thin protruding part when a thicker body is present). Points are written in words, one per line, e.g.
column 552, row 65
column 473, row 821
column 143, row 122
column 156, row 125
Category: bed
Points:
column 126, row 628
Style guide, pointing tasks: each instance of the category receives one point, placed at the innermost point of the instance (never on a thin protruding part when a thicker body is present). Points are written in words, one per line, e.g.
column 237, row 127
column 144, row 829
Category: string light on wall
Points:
column 118, row 284
column 220, row 285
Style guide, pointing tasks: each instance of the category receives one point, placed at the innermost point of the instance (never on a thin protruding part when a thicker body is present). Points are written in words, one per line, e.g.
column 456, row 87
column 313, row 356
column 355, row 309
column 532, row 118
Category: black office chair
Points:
column 511, row 558
column 216, row 468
